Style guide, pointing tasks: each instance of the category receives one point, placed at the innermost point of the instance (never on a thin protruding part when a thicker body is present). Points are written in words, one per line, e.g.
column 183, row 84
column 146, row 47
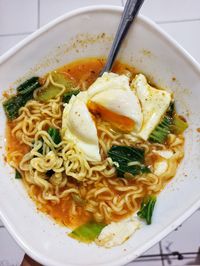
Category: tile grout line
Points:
column 161, row 253
column 38, row 14
column 177, row 21
column 15, row 34
column 29, row 32
column 2, row 226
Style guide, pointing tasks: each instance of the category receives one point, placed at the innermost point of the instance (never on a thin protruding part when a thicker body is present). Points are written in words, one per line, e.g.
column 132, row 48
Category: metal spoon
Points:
column 129, row 14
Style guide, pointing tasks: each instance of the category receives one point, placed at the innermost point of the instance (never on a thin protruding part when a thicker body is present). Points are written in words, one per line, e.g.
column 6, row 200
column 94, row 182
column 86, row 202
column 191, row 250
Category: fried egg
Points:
column 131, row 109
column 79, row 127
column 111, row 98
column 154, row 103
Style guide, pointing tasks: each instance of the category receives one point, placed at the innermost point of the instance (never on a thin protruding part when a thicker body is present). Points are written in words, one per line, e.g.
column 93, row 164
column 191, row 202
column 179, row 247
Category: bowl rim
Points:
column 179, row 49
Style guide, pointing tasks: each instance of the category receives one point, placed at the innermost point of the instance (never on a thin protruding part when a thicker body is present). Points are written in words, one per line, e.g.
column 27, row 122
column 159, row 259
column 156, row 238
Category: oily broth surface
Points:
column 87, row 70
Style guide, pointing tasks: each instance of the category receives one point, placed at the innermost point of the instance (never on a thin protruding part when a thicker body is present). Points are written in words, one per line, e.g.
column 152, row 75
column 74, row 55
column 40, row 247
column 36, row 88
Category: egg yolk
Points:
column 120, row 122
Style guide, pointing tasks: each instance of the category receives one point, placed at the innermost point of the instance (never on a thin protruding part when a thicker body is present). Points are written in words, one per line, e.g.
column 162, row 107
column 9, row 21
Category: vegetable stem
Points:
column 55, row 86
column 87, row 232
column 178, row 125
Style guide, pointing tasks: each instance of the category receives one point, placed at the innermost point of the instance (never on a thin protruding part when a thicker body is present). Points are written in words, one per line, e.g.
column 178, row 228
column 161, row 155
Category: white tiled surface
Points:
column 148, row 261
column 171, row 10
column 7, row 42
column 185, row 239
column 19, row 16
column 1, row 224
column 181, row 19
column 10, row 253
column 187, row 34
column 57, row 8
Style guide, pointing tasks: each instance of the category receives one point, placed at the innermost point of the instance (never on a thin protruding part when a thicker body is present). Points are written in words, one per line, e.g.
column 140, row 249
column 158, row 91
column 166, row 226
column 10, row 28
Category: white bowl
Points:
column 83, row 33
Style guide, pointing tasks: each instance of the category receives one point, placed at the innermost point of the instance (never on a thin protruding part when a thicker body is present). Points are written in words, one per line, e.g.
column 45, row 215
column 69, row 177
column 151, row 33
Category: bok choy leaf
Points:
column 147, row 207
column 129, row 161
column 87, row 232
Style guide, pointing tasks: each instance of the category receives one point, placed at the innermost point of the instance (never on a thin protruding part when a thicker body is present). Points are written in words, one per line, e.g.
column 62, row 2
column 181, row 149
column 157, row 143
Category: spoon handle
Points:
column 130, row 11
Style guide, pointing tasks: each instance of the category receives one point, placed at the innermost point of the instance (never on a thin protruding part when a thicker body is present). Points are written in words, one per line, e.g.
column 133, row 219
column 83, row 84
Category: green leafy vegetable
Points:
column 160, row 133
column 87, row 232
column 24, row 94
column 129, row 161
column 178, row 125
column 12, row 105
column 51, row 91
column 28, row 86
column 67, row 96
column 17, row 175
column 54, row 134
column 171, row 122
column 147, row 208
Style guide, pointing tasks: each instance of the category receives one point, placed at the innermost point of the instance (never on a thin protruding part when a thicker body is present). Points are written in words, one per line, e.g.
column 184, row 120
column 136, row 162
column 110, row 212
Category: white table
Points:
column 181, row 19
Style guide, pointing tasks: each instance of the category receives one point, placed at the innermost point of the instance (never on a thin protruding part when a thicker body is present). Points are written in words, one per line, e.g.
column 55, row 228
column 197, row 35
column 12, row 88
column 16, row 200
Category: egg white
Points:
column 154, row 103
column 78, row 126
column 113, row 92
column 141, row 102
column 116, row 233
